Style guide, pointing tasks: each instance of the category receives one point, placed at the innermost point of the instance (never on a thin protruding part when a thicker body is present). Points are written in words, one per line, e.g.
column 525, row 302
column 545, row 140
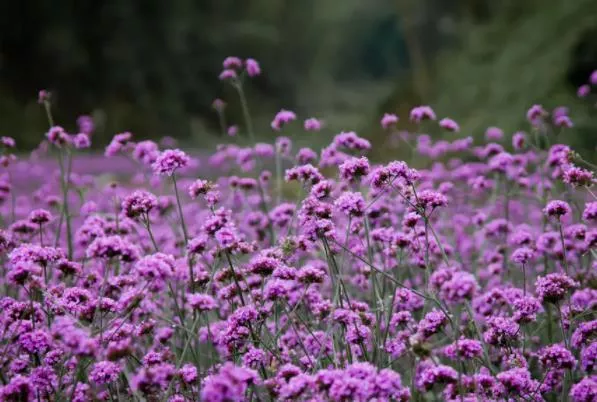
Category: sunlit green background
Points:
column 151, row 66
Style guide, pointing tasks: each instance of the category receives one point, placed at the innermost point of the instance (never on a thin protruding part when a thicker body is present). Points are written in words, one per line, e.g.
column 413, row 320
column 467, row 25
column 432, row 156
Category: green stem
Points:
column 185, row 233
column 563, row 247
column 245, row 107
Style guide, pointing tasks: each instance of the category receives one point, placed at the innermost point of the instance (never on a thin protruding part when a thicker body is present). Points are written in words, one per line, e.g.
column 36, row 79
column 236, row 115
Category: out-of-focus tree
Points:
column 501, row 58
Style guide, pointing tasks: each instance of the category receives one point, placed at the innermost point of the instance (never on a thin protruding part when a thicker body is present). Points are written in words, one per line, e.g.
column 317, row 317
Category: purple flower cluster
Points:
column 329, row 278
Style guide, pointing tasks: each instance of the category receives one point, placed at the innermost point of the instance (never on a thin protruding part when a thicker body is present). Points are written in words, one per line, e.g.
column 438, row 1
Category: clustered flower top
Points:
column 330, row 277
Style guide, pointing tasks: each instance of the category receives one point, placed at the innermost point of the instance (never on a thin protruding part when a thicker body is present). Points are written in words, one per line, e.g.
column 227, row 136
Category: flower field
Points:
column 467, row 272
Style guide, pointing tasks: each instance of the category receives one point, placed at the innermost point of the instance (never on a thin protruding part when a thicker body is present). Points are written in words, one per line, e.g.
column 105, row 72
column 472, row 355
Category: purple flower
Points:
column 146, row 152
column 252, row 68
column 464, row 349
column 354, row 168
column 556, row 357
column 305, row 156
column 501, row 331
column 201, row 302
column 461, row 286
column 552, row 288
column 169, row 161
column 19, row 388
column 227, row 74
column 35, row 342
column 119, row 143
column 156, row 266
column 40, row 216
column 350, row 140
column 228, row 384
column 420, row 113
column 563, row 121
column 522, row 255
column 86, row 124
column 585, row 390
column 588, row 357
column 431, row 323
column 431, row 375
column 429, row 200
column 282, row 118
column 232, row 62
column 188, row 373
column 104, row 372
column 526, row 309
column 519, row 140
column 139, row 203
column 82, row 141
column 311, row 274
column 232, row 131
column 313, row 124
column 7, row 142
column 557, row 209
column 58, row 137
column 351, row 204
column 199, row 187
column 518, row 381
column 578, row 177
column 43, row 96
column 388, row 120
column 111, row 247
column 44, row 380
column 494, row 134
column 304, row 174
column 535, row 114
column 449, row 125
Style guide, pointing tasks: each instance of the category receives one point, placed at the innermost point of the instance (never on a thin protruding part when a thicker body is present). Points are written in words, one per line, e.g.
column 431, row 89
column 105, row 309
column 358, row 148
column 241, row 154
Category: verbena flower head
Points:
column 494, row 134
column 421, row 113
column 58, row 137
column 552, row 288
column 593, row 78
column 146, row 152
column 501, row 331
column 139, row 203
column 351, row 204
column 556, row 357
column 232, row 62
column 85, row 124
column 557, row 209
column 578, row 177
column 585, row 390
column 81, row 141
column 590, row 212
column 522, row 255
column 170, row 161
column 389, row 120
column 227, row 74
column 120, row 142
column 201, row 302
column 535, row 114
column 519, row 140
column 449, row 125
column 252, row 67
column 313, row 124
column 464, row 349
column 104, row 372
column 40, row 216
column 282, row 118
column 354, row 168
column 7, row 142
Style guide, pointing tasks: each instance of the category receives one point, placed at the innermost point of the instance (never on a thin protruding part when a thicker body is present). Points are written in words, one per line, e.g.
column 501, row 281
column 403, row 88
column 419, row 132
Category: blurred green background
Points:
column 151, row 66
